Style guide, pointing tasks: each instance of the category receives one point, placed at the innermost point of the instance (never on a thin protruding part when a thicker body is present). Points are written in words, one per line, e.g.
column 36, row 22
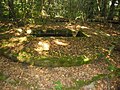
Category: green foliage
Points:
column 84, row 9
column 98, row 77
column 80, row 83
column 58, row 85
column 112, row 68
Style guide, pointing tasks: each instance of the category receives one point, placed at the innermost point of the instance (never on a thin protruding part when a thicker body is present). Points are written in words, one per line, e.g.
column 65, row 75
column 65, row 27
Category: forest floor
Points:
column 60, row 67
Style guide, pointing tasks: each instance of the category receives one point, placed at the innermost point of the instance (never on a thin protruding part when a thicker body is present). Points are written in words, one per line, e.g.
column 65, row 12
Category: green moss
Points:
column 2, row 77
column 60, row 61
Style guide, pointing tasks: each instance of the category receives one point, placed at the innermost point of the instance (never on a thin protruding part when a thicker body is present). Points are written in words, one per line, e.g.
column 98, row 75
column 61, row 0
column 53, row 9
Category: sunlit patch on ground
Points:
column 42, row 46
column 19, row 39
column 19, row 30
column 24, row 57
column 84, row 27
column 29, row 31
column 61, row 42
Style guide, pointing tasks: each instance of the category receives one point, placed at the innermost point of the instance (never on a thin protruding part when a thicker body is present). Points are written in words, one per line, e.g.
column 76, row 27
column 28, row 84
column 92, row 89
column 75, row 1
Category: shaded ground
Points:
column 22, row 77
column 18, row 45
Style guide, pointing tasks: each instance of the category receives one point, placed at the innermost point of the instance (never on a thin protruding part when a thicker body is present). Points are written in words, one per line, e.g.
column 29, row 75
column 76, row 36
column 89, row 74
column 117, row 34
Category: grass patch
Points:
column 2, row 77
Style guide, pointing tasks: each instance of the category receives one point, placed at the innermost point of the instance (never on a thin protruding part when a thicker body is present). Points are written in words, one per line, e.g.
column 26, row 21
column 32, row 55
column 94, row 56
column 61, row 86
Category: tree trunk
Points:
column 104, row 8
column 112, row 9
column 11, row 9
column 98, row 6
column 119, row 9
column 1, row 11
column 90, row 10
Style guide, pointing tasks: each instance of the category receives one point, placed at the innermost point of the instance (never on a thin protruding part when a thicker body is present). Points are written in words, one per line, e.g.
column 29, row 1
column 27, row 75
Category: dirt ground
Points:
column 21, row 76
column 25, row 77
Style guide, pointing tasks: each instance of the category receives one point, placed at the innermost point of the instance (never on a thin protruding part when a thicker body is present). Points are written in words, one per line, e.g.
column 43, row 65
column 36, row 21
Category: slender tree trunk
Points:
column 119, row 9
column 70, row 9
column 98, row 6
column 104, row 8
column 112, row 9
column 1, row 11
column 11, row 9
column 90, row 10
